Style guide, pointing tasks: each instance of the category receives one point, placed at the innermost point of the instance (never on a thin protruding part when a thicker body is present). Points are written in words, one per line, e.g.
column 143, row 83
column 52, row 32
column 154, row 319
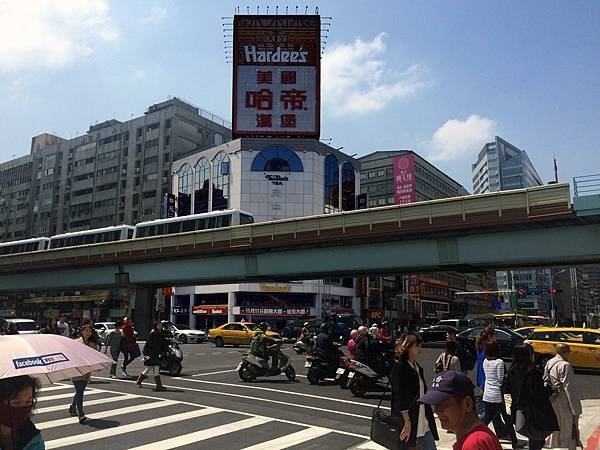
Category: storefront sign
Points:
column 375, row 313
column 276, row 180
column 181, row 310
column 252, row 311
column 275, row 288
column 207, row 310
column 67, row 299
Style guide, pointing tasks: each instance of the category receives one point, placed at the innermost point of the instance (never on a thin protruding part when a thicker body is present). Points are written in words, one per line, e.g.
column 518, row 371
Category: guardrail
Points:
column 490, row 209
column 586, row 185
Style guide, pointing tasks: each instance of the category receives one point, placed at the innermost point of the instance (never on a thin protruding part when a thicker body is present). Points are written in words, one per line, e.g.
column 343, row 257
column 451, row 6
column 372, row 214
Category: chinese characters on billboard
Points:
column 404, row 179
column 276, row 70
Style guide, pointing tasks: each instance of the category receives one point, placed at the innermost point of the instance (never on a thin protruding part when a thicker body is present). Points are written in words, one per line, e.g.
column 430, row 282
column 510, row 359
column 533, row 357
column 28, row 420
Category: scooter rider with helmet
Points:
column 362, row 351
column 325, row 349
column 259, row 345
column 305, row 331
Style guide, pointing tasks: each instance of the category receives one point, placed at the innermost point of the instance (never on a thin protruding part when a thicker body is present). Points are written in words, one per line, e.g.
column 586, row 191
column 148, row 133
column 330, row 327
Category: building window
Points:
column 220, row 181
column 331, row 184
column 277, row 158
column 348, row 186
column 201, row 186
column 372, row 174
column 185, row 180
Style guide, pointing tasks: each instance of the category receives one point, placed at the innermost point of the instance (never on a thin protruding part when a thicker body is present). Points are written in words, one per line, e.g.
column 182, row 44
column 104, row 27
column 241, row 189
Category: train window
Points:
column 45, row 245
column 211, row 222
column 129, row 233
column 160, row 229
column 116, row 235
column 76, row 240
column 188, row 225
column 173, row 227
column 142, row 232
column 245, row 218
column 152, row 230
column 201, row 224
column 225, row 220
column 89, row 239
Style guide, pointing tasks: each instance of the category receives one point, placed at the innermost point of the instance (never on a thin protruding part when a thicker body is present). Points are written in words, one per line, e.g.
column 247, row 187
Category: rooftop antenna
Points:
column 306, row 10
column 267, row 10
column 276, row 9
column 248, row 10
column 286, row 9
column 555, row 169
column 257, row 9
column 296, row 9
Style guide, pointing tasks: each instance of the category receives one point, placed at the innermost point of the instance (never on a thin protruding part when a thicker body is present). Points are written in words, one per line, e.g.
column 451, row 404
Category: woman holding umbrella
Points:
column 17, row 399
column 80, row 382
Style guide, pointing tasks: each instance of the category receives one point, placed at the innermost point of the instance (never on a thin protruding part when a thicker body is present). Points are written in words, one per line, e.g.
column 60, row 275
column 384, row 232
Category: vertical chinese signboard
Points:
column 404, row 179
column 276, row 75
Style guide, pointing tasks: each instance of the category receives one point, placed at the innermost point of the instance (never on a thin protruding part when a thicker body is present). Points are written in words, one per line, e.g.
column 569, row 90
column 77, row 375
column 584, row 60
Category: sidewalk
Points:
column 589, row 426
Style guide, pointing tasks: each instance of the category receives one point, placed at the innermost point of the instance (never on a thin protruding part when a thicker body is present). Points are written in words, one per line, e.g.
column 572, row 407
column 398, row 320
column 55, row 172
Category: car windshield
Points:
column 182, row 327
column 251, row 326
column 25, row 326
column 110, row 326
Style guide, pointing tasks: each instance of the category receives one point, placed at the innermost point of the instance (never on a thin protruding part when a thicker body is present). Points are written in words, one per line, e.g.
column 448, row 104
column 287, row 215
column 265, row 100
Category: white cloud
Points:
column 139, row 74
column 356, row 80
column 51, row 34
column 155, row 15
column 458, row 139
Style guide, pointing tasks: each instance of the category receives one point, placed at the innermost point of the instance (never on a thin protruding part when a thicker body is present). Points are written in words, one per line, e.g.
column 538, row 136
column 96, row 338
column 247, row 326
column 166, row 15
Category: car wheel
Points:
column 183, row 339
column 219, row 342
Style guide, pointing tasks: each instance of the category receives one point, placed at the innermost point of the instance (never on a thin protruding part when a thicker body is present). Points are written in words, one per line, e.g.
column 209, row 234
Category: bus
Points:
column 518, row 320
column 194, row 222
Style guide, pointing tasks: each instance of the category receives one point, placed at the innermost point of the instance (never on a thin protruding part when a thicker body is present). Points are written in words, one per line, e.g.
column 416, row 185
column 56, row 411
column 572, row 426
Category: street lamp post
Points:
column 552, row 311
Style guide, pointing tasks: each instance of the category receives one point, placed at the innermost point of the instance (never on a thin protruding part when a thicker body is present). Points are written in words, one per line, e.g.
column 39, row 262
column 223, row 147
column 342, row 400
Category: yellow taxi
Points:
column 584, row 344
column 235, row 333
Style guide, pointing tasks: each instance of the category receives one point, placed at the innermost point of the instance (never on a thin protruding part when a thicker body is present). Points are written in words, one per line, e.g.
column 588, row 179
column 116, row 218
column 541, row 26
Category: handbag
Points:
column 385, row 429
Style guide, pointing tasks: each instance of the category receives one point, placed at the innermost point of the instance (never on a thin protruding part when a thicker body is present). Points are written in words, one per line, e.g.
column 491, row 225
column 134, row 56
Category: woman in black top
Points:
column 155, row 346
column 408, row 384
column 525, row 383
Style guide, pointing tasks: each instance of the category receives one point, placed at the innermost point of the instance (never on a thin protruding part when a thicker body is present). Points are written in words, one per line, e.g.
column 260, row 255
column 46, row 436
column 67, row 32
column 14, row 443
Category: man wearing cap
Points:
column 452, row 396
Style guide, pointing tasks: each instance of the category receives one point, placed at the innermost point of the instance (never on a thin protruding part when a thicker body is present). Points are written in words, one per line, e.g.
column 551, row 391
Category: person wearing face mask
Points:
column 17, row 399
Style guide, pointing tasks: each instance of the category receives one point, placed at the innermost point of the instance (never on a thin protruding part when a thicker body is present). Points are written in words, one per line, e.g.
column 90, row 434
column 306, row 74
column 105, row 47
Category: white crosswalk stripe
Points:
column 211, row 423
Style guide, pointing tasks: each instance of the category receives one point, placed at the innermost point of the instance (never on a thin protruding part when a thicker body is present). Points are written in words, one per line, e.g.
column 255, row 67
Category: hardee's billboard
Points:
column 276, row 75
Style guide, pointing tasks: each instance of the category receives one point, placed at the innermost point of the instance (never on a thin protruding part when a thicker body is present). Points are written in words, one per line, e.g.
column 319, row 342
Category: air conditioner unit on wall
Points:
column 124, row 172
column 137, row 170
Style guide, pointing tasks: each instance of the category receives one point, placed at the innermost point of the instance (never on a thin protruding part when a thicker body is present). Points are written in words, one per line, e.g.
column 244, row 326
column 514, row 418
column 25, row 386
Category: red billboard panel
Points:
column 276, row 75
column 404, row 179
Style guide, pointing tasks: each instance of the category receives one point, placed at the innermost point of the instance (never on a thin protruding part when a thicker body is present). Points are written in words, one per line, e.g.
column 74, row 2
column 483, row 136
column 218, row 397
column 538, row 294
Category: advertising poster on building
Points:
column 276, row 75
column 404, row 179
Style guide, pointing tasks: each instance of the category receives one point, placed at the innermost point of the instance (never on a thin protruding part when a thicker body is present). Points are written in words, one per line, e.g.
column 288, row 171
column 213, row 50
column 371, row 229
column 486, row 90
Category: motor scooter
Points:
column 307, row 345
column 320, row 370
column 170, row 361
column 252, row 366
column 363, row 378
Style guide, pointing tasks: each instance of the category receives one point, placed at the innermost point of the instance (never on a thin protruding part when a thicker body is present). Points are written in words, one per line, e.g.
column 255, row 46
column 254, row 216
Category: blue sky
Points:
column 438, row 77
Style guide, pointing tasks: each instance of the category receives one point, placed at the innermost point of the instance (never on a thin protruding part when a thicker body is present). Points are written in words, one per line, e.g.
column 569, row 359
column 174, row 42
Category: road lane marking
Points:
column 200, row 354
column 300, row 394
column 56, row 387
column 213, row 373
column 69, row 395
column 202, row 435
column 129, row 428
column 98, row 401
column 291, row 439
column 197, row 405
column 105, row 414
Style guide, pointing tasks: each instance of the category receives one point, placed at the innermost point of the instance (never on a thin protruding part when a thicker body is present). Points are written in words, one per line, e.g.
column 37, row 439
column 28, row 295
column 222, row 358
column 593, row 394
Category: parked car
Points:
column 24, row 326
column 185, row 334
column 104, row 329
column 235, row 333
column 437, row 333
column 525, row 331
column 507, row 339
column 584, row 344
column 461, row 324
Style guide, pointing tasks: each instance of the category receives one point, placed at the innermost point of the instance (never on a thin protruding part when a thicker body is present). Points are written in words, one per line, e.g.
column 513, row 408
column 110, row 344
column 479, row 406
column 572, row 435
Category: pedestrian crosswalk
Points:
column 118, row 420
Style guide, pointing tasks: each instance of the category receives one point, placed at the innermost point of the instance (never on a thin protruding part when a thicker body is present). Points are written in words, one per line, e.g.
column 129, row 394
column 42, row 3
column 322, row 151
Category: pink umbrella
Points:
column 48, row 357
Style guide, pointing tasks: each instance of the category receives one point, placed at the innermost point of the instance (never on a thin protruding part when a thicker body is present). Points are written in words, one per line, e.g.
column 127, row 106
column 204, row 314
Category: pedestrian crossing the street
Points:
column 119, row 420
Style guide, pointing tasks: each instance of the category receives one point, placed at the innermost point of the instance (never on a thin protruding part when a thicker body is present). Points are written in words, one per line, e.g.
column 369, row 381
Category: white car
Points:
column 104, row 329
column 186, row 335
column 24, row 326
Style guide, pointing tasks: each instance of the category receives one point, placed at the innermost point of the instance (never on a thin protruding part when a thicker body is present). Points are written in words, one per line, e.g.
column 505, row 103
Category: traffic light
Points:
column 553, row 291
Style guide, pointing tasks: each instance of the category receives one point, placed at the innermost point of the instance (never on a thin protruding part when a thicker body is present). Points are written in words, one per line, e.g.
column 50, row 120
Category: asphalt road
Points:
column 209, row 407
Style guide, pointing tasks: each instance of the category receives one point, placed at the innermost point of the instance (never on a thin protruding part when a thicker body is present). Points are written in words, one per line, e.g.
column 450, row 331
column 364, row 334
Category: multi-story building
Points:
column 118, row 172
column 501, row 166
column 271, row 178
column 402, row 176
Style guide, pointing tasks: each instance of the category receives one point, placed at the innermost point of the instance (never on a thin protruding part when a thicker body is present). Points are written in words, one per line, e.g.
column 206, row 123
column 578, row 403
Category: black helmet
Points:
column 263, row 326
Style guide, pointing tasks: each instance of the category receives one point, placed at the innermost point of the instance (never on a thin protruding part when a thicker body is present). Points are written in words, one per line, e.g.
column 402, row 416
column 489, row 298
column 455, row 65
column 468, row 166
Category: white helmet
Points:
column 363, row 330
column 305, row 324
